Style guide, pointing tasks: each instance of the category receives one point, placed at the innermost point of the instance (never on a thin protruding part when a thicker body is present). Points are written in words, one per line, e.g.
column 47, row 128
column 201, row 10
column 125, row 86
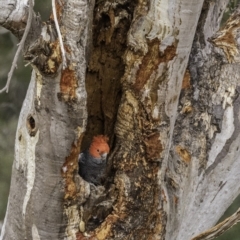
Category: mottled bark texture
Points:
column 174, row 132
column 51, row 124
column 203, row 168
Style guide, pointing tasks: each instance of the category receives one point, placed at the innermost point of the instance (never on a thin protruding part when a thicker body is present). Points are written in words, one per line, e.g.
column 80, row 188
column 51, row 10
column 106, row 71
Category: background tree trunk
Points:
column 174, row 132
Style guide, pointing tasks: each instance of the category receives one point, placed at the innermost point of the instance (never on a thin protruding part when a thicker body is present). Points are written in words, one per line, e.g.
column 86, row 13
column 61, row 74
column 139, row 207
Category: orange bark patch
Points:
column 104, row 231
column 187, row 109
column 58, row 11
column 226, row 38
column 68, row 170
column 153, row 147
column 68, row 84
column 186, row 80
column 151, row 62
column 183, row 153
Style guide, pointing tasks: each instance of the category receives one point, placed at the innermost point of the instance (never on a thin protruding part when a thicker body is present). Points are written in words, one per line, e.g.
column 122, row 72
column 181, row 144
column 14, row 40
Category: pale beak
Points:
column 104, row 156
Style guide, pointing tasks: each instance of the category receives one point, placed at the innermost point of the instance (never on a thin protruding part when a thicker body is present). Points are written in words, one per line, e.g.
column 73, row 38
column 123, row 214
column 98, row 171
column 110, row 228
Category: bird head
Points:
column 99, row 147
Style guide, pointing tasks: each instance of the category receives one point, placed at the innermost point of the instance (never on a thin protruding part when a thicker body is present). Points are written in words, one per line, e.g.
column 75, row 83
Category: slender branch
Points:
column 20, row 47
column 30, row 62
column 221, row 228
column 59, row 34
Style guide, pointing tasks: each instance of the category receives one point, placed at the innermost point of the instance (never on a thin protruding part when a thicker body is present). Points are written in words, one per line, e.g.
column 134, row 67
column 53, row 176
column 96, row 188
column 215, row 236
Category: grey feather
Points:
column 91, row 169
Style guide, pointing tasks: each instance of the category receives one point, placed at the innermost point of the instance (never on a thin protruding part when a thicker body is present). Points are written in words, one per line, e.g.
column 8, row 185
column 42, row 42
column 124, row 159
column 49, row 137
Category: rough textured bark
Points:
column 204, row 156
column 51, row 124
column 173, row 132
column 155, row 62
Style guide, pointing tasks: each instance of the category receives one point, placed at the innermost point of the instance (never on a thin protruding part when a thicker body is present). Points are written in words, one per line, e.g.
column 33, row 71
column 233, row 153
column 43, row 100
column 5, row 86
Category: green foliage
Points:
column 7, row 132
column 44, row 8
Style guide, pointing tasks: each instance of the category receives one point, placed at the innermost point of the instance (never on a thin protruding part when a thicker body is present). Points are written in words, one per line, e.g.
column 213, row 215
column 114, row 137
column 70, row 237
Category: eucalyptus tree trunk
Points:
column 156, row 77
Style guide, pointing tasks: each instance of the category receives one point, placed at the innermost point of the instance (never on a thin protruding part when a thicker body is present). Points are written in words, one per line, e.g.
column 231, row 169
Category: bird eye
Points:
column 98, row 150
